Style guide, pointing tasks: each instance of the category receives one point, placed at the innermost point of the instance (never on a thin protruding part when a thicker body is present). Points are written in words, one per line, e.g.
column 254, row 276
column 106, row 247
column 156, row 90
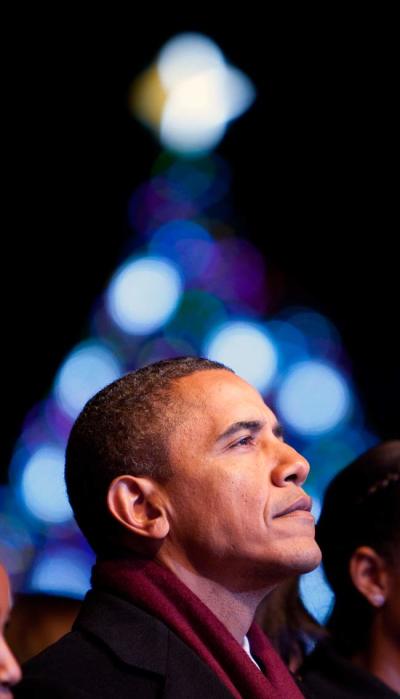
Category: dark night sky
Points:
column 313, row 163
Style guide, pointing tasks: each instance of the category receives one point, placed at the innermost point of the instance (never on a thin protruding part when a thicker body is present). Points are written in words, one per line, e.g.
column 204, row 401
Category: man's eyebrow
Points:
column 251, row 425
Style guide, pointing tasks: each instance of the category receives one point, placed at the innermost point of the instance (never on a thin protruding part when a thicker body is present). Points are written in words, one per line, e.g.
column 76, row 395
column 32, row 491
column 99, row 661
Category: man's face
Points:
column 234, row 477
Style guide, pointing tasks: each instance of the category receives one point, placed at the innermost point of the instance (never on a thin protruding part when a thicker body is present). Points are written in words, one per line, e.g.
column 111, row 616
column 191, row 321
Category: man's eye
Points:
column 243, row 441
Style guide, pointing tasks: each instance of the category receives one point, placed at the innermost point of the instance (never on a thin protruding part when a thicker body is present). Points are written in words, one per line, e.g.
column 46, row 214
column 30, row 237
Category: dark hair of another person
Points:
column 291, row 628
column 361, row 508
column 123, row 429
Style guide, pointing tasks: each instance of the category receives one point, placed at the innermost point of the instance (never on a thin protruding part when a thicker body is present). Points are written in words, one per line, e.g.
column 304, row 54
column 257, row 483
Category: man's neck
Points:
column 235, row 610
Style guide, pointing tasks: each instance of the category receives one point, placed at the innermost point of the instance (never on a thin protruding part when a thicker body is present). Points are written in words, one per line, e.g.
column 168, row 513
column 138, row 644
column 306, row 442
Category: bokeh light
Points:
column 187, row 244
column 195, row 286
column 313, row 398
column 186, row 55
column 179, row 190
column 194, row 119
column 247, row 349
column 291, row 342
column 17, row 545
column 88, row 368
column 203, row 94
column 332, row 451
column 143, row 294
column 61, row 571
column 322, row 337
column 159, row 348
column 316, row 594
column 42, row 485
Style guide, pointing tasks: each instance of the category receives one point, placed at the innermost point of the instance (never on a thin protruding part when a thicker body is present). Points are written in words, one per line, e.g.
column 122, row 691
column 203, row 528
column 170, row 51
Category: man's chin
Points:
column 303, row 560
column 310, row 560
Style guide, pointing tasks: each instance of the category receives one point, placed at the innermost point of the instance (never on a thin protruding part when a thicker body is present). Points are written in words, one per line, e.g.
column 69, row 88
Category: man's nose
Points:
column 291, row 467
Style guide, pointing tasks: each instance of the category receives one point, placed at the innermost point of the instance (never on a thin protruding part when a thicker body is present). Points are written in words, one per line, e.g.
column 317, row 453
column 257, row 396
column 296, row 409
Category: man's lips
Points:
column 301, row 504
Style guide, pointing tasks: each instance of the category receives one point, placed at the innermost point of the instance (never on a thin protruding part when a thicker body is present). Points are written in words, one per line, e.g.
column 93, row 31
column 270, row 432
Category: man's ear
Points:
column 369, row 574
column 137, row 503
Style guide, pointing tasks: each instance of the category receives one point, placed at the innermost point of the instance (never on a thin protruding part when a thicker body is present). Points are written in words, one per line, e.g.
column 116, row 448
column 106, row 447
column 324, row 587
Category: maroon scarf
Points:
column 159, row 591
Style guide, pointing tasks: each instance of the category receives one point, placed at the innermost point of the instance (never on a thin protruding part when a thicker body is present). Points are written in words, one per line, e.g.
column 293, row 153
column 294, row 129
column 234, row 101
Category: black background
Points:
column 315, row 180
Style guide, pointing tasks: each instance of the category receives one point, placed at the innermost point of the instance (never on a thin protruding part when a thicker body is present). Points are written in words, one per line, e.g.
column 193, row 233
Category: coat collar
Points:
column 133, row 635
column 142, row 641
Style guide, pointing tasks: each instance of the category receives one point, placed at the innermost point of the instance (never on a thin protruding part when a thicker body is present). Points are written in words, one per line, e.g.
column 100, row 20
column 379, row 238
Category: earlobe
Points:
column 368, row 573
column 138, row 505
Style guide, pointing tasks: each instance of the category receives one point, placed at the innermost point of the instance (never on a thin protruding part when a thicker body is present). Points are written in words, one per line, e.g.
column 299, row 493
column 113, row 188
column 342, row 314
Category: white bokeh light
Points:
column 186, row 55
column 194, row 117
column 203, row 93
column 247, row 349
column 143, row 294
column 314, row 398
column 199, row 108
column 87, row 369
column 42, row 485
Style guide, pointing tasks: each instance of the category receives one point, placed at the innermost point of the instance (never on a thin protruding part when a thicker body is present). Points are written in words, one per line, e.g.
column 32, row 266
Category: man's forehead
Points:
column 222, row 396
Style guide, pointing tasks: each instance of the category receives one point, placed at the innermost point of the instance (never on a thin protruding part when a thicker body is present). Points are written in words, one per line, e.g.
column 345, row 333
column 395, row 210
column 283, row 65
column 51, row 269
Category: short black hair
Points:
column 123, row 430
column 360, row 508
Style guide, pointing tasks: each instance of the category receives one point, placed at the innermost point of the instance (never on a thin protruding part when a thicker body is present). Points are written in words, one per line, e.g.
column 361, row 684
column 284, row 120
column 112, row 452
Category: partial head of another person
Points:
column 10, row 673
column 183, row 460
column 359, row 535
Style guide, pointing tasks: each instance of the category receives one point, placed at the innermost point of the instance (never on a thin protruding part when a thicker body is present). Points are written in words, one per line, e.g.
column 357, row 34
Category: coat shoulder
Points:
column 79, row 666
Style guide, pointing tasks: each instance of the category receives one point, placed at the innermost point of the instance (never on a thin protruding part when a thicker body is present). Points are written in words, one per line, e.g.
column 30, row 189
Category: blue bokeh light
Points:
column 291, row 342
column 314, row 398
column 187, row 244
column 17, row 543
column 62, row 571
column 316, row 594
column 143, row 294
column 246, row 348
column 179, row 190
column 88, row 368
column 332, row 452
column 42, row 486
column 322, row 337
column 159, row 348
